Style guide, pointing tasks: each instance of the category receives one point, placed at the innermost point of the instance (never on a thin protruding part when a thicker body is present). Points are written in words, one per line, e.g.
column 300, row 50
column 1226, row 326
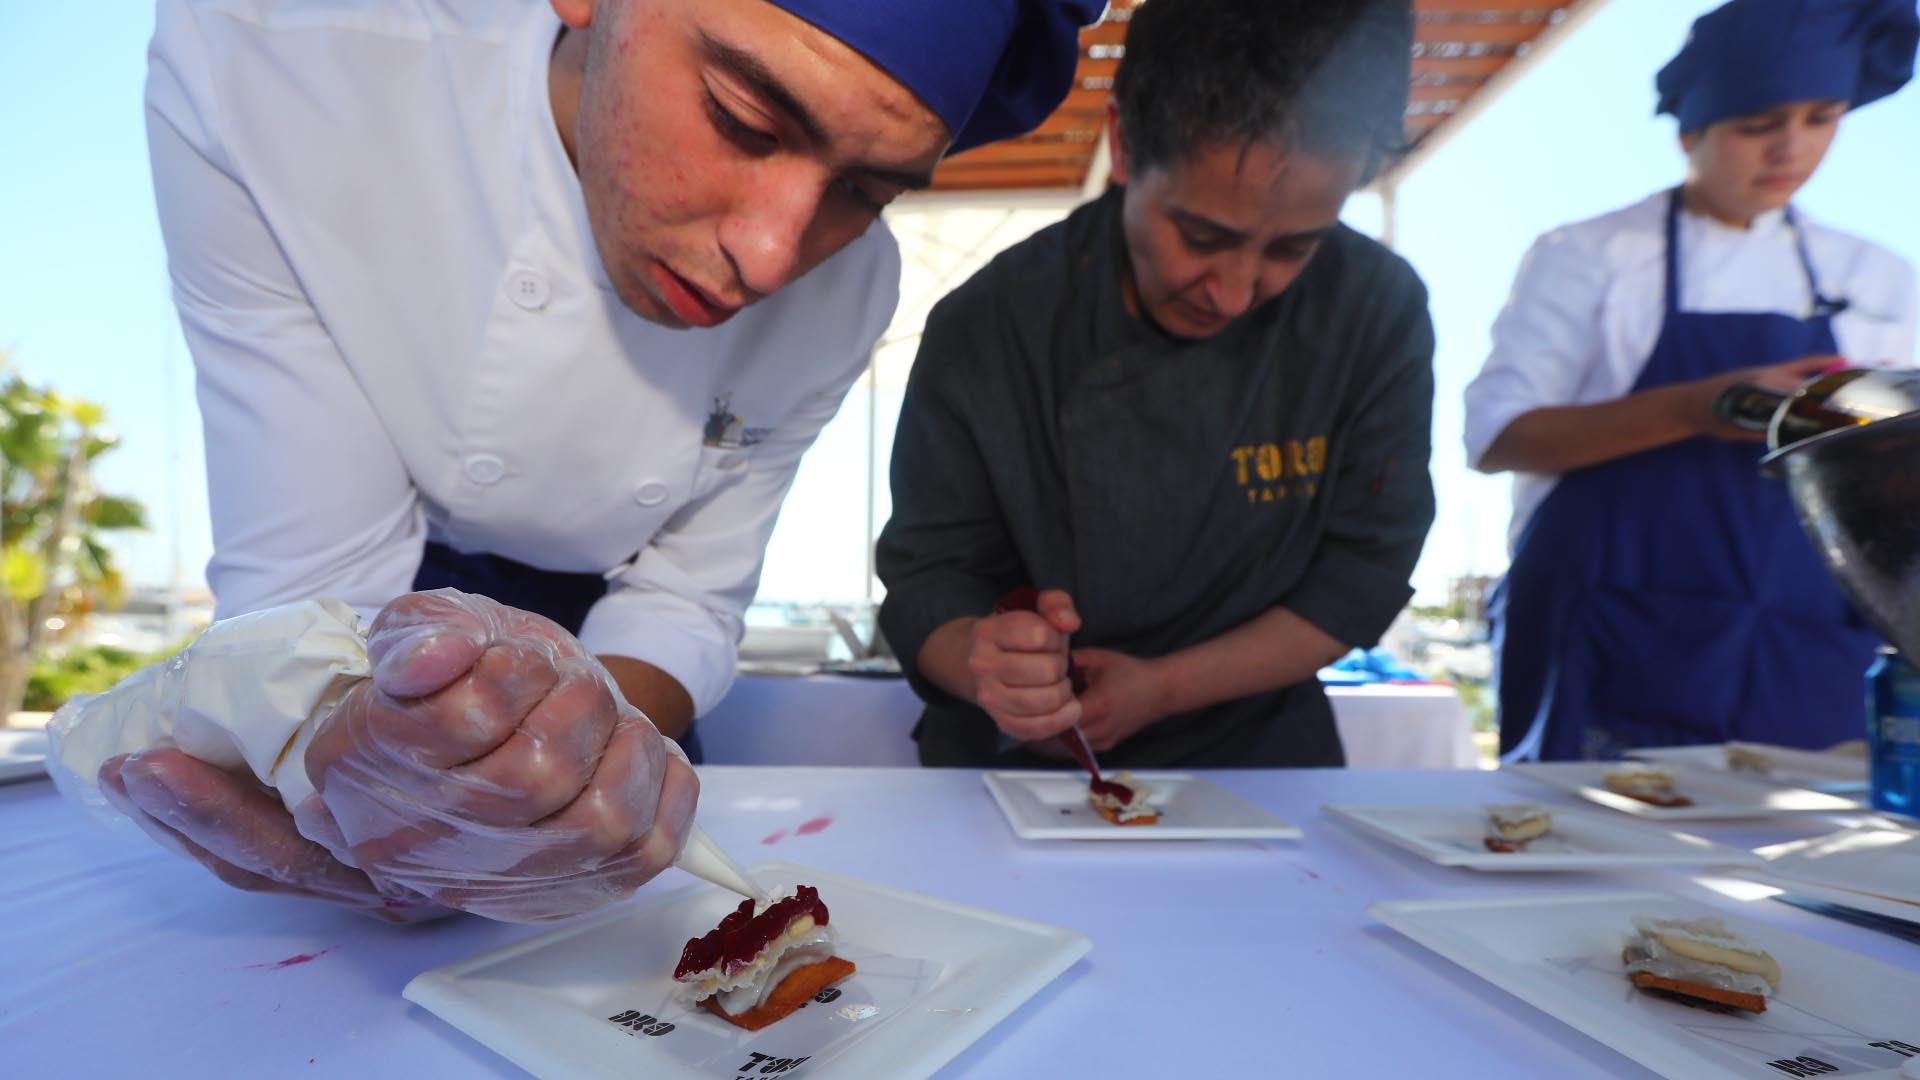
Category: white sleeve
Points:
column 309, row 497
column 681, row 606
column 1546, row 341
column 1902, row 350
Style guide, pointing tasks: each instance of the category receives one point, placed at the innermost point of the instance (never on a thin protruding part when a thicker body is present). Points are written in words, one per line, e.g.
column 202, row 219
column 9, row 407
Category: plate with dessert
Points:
column 1129, row 806
column 1529, row 836
column 828, row 976
column 1837, row 771
column 1679, row 793
column 1678, row 986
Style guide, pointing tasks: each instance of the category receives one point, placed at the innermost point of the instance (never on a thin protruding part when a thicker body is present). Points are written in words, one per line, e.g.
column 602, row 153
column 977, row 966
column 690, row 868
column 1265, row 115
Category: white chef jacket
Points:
column 1589, row 300
column 402, row 331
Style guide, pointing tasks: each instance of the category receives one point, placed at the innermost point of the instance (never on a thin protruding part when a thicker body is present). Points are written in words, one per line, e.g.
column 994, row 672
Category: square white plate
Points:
column 23, row 755
column 1580, row 840
column 1873, row 867
column 1053, row 806
column 1898, row 910
column 1717, row 796
column 1791, row 767
column 1561, row 954
column 590, row 999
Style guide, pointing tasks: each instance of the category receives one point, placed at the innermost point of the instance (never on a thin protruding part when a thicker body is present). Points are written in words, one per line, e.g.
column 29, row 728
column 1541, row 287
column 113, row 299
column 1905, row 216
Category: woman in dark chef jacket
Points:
column 1661, row 590
column 1195, row 413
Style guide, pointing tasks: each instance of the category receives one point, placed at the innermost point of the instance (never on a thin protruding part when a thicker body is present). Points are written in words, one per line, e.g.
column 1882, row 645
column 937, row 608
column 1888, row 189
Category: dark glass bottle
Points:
column 1843, row 398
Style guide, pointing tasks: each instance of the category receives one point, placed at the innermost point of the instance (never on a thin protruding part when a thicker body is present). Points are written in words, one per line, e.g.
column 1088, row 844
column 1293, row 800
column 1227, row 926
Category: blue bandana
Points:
column 991, row 69
column 1748, row 56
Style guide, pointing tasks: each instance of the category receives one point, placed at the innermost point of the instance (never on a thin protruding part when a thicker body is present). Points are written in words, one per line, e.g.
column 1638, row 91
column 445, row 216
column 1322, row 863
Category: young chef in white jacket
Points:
column 1661, row 590
column 542, row 302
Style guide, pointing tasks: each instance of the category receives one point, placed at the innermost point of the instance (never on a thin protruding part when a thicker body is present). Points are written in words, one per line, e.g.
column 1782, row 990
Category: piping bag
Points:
column 705, row 859
column 249, row 693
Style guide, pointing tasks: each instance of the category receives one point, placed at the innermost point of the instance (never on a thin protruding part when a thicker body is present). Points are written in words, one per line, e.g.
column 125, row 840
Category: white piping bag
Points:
column 705, row 860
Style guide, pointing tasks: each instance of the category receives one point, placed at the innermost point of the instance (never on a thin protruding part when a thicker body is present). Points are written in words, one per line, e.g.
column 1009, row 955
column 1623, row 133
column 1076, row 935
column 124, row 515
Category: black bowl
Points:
column 1857, row 493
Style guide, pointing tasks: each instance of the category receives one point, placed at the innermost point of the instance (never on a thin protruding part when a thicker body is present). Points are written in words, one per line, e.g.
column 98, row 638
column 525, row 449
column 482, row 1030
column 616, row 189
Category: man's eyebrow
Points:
column 749, row 69
column 909, row 181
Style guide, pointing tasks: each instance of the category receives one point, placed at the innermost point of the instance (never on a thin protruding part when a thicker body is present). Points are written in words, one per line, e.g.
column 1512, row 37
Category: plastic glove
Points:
column 236, row 827
column 491, row 765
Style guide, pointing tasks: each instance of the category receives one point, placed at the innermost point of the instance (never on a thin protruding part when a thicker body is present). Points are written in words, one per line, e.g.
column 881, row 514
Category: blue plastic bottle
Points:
column 1893, row 733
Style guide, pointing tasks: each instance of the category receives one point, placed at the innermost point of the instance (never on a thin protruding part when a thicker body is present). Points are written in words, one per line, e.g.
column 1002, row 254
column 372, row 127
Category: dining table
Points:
column 1226, row 958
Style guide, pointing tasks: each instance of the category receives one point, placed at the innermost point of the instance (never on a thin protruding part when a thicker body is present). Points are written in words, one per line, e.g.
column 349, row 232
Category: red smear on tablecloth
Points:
column 808, row 828
column 774, row 838
column 1303, row 870
column 292, row 960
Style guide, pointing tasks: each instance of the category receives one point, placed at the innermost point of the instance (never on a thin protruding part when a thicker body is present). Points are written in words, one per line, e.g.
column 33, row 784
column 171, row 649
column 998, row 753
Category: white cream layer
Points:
column 791, row 959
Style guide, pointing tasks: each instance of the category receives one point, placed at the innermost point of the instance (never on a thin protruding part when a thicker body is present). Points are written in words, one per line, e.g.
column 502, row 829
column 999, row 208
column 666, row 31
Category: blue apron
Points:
column 563, row 597
column 1670, row 597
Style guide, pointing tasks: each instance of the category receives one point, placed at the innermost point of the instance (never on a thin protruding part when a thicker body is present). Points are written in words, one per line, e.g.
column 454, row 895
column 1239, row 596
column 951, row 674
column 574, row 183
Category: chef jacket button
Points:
column 651, row 493
column 485, row 469
column 528, row 289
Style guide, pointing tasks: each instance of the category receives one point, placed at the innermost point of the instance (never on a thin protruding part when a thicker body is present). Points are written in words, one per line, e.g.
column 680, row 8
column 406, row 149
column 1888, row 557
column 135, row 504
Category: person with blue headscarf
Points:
column 540, row 301
column 1661, row 590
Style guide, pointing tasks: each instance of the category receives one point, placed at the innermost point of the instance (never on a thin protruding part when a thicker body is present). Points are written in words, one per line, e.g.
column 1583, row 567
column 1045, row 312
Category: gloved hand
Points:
column 490, row 765
column 236, row 827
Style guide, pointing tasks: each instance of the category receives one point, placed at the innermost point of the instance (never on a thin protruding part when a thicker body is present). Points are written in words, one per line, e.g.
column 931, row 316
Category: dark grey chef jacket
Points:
column 1175, row 488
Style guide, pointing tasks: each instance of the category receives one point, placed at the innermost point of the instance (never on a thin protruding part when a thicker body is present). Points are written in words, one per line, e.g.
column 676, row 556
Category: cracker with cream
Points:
column 1648, row 783
column 764, row 960
column 1123, row 800
column 1511, row 827
column 1700, row 959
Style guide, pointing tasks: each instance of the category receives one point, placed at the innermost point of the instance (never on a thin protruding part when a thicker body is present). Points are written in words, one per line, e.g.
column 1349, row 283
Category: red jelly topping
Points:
column 1120, row 792
column 742, row 935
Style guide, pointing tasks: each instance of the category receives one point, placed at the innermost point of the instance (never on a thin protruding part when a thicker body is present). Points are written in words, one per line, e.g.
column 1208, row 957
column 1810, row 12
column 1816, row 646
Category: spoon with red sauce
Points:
column 1027, row 598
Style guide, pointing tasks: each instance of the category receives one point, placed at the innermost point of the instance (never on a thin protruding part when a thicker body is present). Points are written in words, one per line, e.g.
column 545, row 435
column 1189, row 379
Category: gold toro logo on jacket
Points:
column 1270, row 472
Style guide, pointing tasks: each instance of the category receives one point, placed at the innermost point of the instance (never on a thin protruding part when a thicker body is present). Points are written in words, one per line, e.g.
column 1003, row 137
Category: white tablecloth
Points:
column 1222, row 959
column 847, row 720
column 1389, row 726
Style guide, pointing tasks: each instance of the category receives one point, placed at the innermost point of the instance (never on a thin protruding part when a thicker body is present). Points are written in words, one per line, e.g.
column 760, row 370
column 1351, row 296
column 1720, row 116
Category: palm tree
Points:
column 53, row 563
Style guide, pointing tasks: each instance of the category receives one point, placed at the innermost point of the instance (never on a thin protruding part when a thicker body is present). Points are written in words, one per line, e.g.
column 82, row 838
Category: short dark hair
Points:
column 1324, row 76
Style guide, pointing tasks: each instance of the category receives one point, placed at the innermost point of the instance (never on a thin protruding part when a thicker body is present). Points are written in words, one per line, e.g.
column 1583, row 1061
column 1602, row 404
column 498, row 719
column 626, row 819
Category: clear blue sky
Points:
column 83, row 290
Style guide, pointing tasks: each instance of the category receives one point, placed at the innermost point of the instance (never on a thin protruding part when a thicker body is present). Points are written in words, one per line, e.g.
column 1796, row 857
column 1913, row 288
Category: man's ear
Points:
column 1689, row 140
column 1116, row 145
column 575, row 13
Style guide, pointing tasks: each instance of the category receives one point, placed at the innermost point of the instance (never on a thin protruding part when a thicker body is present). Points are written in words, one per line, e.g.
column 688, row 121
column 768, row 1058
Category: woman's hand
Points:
column 1018, row 660
column 1696, row 399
